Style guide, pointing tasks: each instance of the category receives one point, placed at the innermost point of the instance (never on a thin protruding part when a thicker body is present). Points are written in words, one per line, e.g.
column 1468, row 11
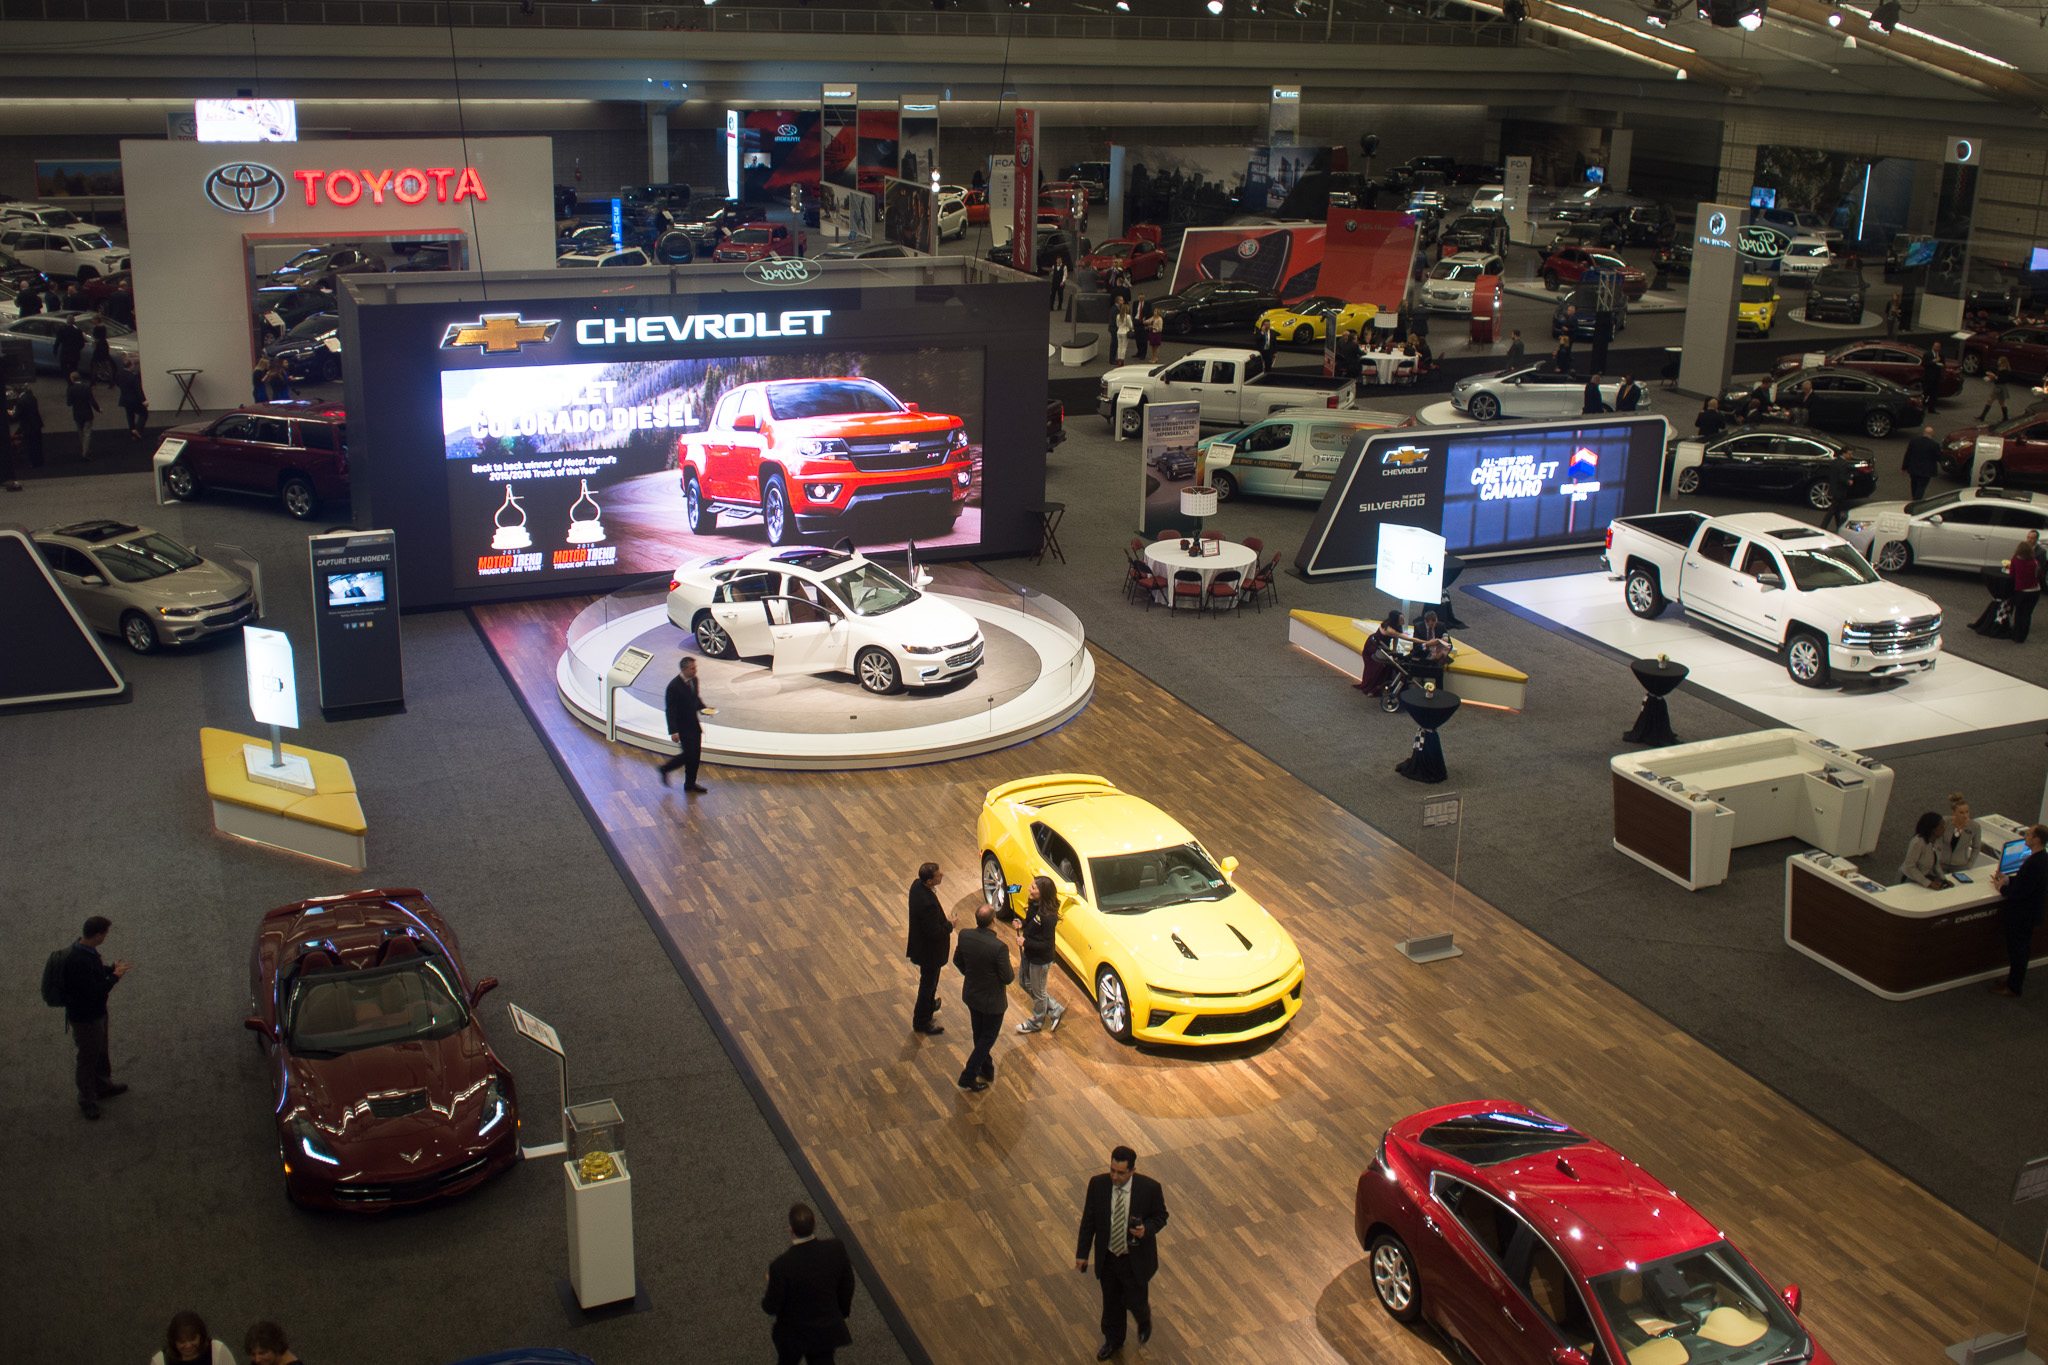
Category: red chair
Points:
column 1187, row 587
column 1224, row 589
column 1140, row 580
column 1265, row 582
column 1169, row 535
column 1213, row 537
column 1255, row 545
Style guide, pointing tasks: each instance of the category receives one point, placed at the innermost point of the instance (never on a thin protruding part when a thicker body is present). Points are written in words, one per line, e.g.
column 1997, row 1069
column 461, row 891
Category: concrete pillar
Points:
column 1621, row 146
column 1707, row 361
column 657, row 144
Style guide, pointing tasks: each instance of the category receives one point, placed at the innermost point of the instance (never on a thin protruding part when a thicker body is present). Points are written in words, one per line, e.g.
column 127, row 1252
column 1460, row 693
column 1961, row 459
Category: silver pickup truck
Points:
column 1802, row 591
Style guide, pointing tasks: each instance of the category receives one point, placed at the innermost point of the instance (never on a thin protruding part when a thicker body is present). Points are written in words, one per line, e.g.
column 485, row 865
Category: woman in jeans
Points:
column 2026, row 584
column 1041, row 927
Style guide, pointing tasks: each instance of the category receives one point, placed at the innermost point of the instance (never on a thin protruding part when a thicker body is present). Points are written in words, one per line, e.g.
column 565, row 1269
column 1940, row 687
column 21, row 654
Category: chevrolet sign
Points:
column 648, row 331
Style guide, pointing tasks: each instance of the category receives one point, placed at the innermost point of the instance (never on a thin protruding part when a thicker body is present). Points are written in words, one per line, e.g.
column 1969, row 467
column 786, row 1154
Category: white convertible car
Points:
column 1530, row 391
column 824, row 611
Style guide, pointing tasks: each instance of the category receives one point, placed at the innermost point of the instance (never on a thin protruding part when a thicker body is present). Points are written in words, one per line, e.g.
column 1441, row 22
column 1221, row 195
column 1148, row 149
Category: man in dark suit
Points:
column 684, row 706
column 1121, row 1216
column 809, row 1294
column 984, row 963
column 931, row 938
column 1923, row 458
column 1594, row 403
column 2021, row 897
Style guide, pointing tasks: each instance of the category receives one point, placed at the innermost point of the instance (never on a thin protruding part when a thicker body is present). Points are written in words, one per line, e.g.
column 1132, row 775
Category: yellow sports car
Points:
column 1152, row 925
column 1309, row 320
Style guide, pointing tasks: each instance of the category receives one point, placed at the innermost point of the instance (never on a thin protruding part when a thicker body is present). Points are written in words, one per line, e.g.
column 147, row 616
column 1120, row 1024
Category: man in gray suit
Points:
column 984, row 963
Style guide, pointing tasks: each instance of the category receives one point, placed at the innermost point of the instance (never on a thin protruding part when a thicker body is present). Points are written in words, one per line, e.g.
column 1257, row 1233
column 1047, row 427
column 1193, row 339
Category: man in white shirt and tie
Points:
column 1121, row 1217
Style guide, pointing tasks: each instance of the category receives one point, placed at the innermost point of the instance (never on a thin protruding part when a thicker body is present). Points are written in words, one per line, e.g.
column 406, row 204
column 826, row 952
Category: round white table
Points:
column 1386, row 364
column 1166, row 558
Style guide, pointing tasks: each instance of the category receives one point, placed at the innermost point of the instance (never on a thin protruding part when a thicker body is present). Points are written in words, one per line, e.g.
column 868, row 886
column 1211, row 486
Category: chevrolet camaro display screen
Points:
column 637, row 466
column 1487, row 489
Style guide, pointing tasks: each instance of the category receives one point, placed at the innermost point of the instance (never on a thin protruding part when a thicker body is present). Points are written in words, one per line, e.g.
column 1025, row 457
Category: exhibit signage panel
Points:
column 1024, row 205
column 356, row 644
column 1488, row 489
column 561, row 444
column 1712, row 291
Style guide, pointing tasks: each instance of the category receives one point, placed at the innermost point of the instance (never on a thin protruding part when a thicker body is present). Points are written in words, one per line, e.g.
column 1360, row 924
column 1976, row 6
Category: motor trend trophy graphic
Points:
column 585, row 524
column 511, row 534
column 1582, row 474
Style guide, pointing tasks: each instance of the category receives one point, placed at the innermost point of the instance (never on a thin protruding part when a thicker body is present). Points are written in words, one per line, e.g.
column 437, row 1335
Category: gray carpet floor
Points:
column 173, row 1199
column 1931, row 1086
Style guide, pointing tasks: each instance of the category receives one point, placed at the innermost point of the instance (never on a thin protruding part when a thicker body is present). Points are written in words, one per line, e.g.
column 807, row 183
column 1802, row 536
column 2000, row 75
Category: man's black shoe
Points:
column 977, row 1086
column 91, row 1111
column 664, row 775
column 109, row 1091
column 1144, row 1332
column 1106, row 1351
column 694, row 789
column 933, row 1029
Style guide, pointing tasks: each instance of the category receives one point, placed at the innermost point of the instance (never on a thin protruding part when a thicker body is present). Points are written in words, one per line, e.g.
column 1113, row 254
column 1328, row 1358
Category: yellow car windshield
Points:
column 1132, row 883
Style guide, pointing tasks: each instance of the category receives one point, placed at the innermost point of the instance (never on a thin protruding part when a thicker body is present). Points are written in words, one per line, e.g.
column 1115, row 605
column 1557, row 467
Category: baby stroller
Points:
column 1400, row 667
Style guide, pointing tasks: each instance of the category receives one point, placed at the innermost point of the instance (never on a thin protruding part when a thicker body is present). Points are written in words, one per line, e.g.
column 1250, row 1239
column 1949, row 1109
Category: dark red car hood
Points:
column 333, row 1092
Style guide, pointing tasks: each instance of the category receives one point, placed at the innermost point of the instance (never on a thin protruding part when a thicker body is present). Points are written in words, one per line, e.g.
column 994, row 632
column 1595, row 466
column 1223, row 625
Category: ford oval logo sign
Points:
column 1761, row 242
column 780, row 270
column 244, row 187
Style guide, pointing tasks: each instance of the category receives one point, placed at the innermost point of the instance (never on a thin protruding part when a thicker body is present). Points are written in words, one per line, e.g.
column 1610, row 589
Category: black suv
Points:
column 1474, row 232
column 1774, row 459
column 1837, row 295
column 1644, row 225
column 1207, row 305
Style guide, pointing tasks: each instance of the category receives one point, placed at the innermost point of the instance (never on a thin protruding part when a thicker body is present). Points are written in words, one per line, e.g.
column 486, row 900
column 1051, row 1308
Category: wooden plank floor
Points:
column 785, row 892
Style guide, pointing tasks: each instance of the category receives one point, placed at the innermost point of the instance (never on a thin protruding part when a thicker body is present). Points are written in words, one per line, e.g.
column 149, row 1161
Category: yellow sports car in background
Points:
column 1309, row 320
column 1150, row 924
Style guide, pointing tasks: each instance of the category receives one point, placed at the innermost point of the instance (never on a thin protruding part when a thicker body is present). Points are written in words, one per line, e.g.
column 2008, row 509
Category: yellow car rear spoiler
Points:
column 1027, row 789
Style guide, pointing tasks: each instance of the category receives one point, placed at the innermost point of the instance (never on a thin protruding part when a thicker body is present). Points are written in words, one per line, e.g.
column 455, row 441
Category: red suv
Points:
column 294, row 452
column 802, row 454
column 1568, row 265
column 1527, row 1243
column 757, row 242
column 2022, row 456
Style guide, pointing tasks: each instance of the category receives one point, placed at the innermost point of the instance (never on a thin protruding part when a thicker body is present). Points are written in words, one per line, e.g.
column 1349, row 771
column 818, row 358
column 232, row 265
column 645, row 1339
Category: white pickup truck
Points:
column 1803, row 591
column 1234, row 387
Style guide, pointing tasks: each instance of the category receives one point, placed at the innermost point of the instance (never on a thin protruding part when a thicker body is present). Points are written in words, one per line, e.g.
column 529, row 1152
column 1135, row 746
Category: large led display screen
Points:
column 635, row 466
column 1487, row 489
column 529, row 446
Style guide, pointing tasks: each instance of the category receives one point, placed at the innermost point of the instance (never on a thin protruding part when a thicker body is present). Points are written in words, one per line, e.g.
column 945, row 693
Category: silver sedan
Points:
column 1971, row 528
column 1531, row 391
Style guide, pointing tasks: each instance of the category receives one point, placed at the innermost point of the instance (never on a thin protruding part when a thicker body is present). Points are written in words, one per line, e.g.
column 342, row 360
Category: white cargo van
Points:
column 1292, row 453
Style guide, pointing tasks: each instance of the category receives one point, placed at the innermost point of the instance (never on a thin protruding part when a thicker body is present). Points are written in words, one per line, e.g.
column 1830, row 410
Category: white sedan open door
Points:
column 806, row 637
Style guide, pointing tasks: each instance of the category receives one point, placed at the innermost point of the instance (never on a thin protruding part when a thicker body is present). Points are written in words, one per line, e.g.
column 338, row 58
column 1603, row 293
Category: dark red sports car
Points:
column 387, row 1091
column 1527, row 1243
column 1891, row 360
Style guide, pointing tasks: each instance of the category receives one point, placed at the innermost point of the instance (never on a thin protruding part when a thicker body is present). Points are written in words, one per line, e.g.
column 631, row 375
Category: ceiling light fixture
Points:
column 1515, row 11
column 1743, row 14
column 1215, row 6
column 1884, row 17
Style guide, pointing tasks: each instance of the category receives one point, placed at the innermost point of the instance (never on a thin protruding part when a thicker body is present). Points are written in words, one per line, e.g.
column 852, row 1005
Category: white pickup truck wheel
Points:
column 1806, row 659
column 1641, row 592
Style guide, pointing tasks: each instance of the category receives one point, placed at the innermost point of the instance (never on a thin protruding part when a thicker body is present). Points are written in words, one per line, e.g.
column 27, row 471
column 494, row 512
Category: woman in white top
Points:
column 1123, row 331
column 1922, row 866
column 1961, row 837
column 187, row 1342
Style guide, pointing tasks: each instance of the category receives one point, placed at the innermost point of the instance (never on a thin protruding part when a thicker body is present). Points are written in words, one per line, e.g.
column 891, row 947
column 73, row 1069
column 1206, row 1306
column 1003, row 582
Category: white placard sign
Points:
column 1988, row 448
column 536, row 1028
column 166, row 454
column 1002, row 198
column 273, row 683
column 1410, row 563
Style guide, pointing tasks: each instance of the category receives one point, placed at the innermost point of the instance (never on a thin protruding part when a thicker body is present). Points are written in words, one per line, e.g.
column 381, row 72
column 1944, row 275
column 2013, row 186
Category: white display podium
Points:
column 600, row 1235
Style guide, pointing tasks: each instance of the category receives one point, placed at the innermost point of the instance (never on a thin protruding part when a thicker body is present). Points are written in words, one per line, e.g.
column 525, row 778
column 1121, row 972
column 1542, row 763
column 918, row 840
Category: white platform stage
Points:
column 1956, row 698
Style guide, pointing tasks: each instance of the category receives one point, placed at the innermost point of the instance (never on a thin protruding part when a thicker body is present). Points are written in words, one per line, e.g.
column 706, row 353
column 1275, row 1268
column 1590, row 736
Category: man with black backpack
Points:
column 77, row 980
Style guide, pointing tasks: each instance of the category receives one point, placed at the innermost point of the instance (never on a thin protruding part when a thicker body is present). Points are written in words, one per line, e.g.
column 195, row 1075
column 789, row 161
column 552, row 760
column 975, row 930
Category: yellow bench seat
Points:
column 325, row 823
column 1474, row 675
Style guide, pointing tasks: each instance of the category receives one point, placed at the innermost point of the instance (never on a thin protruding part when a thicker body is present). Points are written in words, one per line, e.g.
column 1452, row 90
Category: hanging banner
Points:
column 1283, row 125
column 917, row 139
column 838, row 149
column 1024, row 209
column 910, row 214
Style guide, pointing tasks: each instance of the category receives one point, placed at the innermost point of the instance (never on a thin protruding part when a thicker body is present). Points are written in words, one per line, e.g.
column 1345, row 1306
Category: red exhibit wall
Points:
column 1368, row 256
column 1286, row 260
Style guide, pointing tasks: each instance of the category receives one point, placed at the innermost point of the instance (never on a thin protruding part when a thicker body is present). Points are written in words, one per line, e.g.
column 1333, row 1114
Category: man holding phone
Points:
column 2021, row 898
column 1121, row 1217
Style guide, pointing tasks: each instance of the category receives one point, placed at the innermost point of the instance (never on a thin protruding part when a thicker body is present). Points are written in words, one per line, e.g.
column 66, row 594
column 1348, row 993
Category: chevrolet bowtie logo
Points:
column 496, row 333
column 904, row 447
column 410, row 1158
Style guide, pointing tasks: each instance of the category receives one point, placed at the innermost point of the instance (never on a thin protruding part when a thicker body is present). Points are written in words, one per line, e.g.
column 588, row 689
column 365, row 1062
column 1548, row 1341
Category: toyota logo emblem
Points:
column 244, row 187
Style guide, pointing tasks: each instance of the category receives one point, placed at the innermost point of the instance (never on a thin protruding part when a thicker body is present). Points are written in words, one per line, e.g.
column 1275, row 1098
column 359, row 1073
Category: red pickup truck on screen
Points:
column 804, row 454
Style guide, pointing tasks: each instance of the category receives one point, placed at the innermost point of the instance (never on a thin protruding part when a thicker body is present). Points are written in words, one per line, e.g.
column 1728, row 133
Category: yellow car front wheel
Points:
column 995, row 886
column 1113, row 1003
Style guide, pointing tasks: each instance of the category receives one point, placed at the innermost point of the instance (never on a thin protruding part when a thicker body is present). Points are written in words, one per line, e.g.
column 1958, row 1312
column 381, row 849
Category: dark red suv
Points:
column 294, row 452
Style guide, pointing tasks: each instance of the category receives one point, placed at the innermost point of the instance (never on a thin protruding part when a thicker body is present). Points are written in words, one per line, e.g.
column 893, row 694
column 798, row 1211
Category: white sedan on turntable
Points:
column 1529, row 391
column 1970, row 528
column 809, row 610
